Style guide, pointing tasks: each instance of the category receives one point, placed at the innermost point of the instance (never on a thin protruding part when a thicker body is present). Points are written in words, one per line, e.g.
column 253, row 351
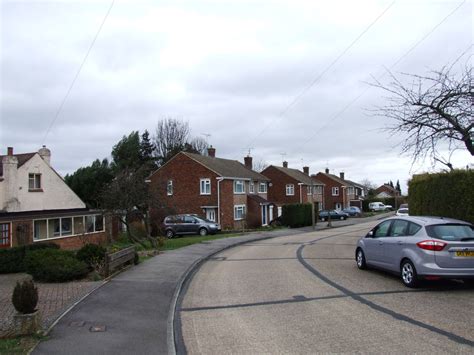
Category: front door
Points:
column 264, row 216
column 211, row 214
column 5, row 235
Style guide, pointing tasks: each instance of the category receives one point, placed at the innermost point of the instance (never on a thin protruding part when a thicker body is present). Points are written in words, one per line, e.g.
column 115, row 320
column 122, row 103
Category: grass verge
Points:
column 19, row 345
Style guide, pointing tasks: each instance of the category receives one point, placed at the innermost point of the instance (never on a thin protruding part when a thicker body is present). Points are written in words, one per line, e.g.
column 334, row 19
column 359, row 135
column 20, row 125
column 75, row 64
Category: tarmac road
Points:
column 304, row 294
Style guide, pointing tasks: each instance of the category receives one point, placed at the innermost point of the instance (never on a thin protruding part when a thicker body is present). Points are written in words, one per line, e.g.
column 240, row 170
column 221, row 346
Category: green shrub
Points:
column 91, row 254
column 296, row 215
column 444, row 194
column 52, row 265
column 11, row 260
column 25, row 297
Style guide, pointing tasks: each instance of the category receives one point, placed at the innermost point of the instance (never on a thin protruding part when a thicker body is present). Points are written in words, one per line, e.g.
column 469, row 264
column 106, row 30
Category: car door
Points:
column 374, row 244
column 394, row 243
column 190, row 225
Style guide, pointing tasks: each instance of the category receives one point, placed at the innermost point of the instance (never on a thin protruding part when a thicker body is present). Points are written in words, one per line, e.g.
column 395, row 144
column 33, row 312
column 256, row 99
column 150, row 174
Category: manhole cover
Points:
column 78, row 323
column 97, row 328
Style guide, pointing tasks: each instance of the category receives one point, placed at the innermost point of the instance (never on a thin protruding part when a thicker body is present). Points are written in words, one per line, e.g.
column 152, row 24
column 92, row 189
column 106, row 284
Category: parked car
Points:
column 323, row 215
column 402, row 212
column 352, row 211
column 379, row 206
column 188, row 224
column 403, row 205
column 419, row 248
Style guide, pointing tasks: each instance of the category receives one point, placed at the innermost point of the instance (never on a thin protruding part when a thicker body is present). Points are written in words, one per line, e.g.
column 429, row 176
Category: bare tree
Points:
column 170, row 138
column 260, row 165
column 433, row 109
column 199, row 145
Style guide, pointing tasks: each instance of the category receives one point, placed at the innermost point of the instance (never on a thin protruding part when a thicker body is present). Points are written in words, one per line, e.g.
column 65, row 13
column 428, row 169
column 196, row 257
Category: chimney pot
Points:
column 10, row 151
column 285, row 164
column 327, row 171
column 341, row 175
column 211, row 151
column 248, row 162
column 306, row 170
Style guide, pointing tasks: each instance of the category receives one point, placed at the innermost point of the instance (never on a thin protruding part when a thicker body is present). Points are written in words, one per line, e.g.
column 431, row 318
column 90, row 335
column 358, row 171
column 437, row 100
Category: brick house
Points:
column 222, row 190
column 293, row 186
column 385, row 191
column 37, row 205
column 340, row 193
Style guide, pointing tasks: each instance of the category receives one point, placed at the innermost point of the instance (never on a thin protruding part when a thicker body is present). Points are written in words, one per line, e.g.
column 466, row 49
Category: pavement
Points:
column 53, row 299
column 134, row 311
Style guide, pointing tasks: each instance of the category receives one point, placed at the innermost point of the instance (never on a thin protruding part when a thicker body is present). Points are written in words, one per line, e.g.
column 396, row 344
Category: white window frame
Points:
column 239, row 182
column 205, row 186
column 335, row 191
column 290, row 189
column 32, row 178
column 72, row 234
column 319, row 190
column 251, row 187
column 309, row 189
column 169, row 188
column 350, row 190
column 265, row 188
column 238, row 208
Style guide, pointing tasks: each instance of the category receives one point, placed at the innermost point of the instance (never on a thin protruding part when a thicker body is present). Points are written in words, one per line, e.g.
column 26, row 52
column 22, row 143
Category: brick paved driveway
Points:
column 53, row 298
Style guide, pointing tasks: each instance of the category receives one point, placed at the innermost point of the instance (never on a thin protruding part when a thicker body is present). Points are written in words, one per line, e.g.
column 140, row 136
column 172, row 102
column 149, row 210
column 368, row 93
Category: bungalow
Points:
column 37, row 205
column 385, row 191
column 225, row 191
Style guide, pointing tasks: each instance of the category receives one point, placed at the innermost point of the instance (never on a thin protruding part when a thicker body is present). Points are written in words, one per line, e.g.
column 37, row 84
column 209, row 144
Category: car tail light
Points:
column 434, row 245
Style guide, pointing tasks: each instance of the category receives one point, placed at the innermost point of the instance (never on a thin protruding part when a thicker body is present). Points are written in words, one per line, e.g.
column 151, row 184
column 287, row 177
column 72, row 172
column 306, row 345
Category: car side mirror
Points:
column 370, row 234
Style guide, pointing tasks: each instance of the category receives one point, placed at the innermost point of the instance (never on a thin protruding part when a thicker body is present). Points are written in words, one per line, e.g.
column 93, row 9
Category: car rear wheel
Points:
column 342, row 218
column 203, row 231
column 360, row 259
column 408, row 274
column 169, row 234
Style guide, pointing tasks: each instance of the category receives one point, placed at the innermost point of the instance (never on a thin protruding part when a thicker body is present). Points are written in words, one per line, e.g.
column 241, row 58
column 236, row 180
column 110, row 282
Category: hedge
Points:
column 52, row 265
column 448, row 194
column 11, row 260
column 296, row 215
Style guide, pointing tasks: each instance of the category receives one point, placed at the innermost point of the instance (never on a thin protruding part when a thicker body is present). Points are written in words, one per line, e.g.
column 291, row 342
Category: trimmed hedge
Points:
column 91, row 253
column 444, row 194
column 11, row 260
column 296, row 215
column 52, row 265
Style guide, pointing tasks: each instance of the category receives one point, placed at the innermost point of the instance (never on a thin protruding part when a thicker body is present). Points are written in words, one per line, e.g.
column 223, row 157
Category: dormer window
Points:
column 34, row 182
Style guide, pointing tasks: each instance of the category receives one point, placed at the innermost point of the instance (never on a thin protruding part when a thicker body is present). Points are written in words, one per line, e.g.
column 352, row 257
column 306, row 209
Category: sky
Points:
column 289, row 80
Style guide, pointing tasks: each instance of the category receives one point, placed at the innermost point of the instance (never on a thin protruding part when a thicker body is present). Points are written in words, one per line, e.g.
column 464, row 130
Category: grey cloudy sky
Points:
column 230, row 68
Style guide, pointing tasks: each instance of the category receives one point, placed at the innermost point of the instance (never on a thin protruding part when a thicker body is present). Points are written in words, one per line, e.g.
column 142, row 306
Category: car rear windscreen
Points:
column 454, row 232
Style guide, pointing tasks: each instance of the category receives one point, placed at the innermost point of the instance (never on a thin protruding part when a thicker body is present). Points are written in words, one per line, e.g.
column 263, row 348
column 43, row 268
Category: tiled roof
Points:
column 258, row 199
column 356, row 184
column 299, row 176
column 227, row 167
column 22, row 159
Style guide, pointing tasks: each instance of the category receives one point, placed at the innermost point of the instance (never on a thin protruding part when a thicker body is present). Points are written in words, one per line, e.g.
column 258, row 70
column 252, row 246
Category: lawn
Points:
column 179, row 242
column 20, row 345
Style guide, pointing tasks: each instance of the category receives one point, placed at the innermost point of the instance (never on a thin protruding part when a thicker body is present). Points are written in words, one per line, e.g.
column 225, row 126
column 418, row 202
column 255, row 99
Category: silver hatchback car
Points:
column 419, row 248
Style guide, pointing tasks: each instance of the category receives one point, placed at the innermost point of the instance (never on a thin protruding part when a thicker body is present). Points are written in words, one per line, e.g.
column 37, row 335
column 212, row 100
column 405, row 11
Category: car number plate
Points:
column 465, row 253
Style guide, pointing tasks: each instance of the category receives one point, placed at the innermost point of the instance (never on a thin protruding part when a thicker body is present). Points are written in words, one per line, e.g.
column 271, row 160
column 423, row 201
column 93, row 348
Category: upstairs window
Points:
column 205, row 186
column 290, row 190
column 262, row 188
column 310, row 190
column 318, row 190
column 350, row 190
column 239, row 187
column 251, row 187
column 335, row 191
column 34, row 181
column 169, row 188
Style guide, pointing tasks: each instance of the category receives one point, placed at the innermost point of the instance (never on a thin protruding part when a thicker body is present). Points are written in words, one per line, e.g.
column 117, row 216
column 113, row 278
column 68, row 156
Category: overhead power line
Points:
column 356, row 98
column 318, row 77
column 77, row 74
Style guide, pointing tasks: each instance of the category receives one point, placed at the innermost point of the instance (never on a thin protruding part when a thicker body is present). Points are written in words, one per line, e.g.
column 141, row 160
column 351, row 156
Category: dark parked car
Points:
column 352, row 211
column 323, row 215
column 188, row 224
column 419, row 247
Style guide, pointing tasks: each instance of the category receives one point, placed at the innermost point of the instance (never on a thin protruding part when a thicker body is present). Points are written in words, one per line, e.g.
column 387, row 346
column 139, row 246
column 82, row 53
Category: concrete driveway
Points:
column 304, row 294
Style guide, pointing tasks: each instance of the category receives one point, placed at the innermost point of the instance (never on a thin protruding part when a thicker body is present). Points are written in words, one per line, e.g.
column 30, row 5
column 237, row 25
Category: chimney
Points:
column 248, row 162
column 341, row 175
column 45, row 153
column 211, row 152
column 327, row 171
column 10, row 182
column 306, row 170
column 285, row 164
